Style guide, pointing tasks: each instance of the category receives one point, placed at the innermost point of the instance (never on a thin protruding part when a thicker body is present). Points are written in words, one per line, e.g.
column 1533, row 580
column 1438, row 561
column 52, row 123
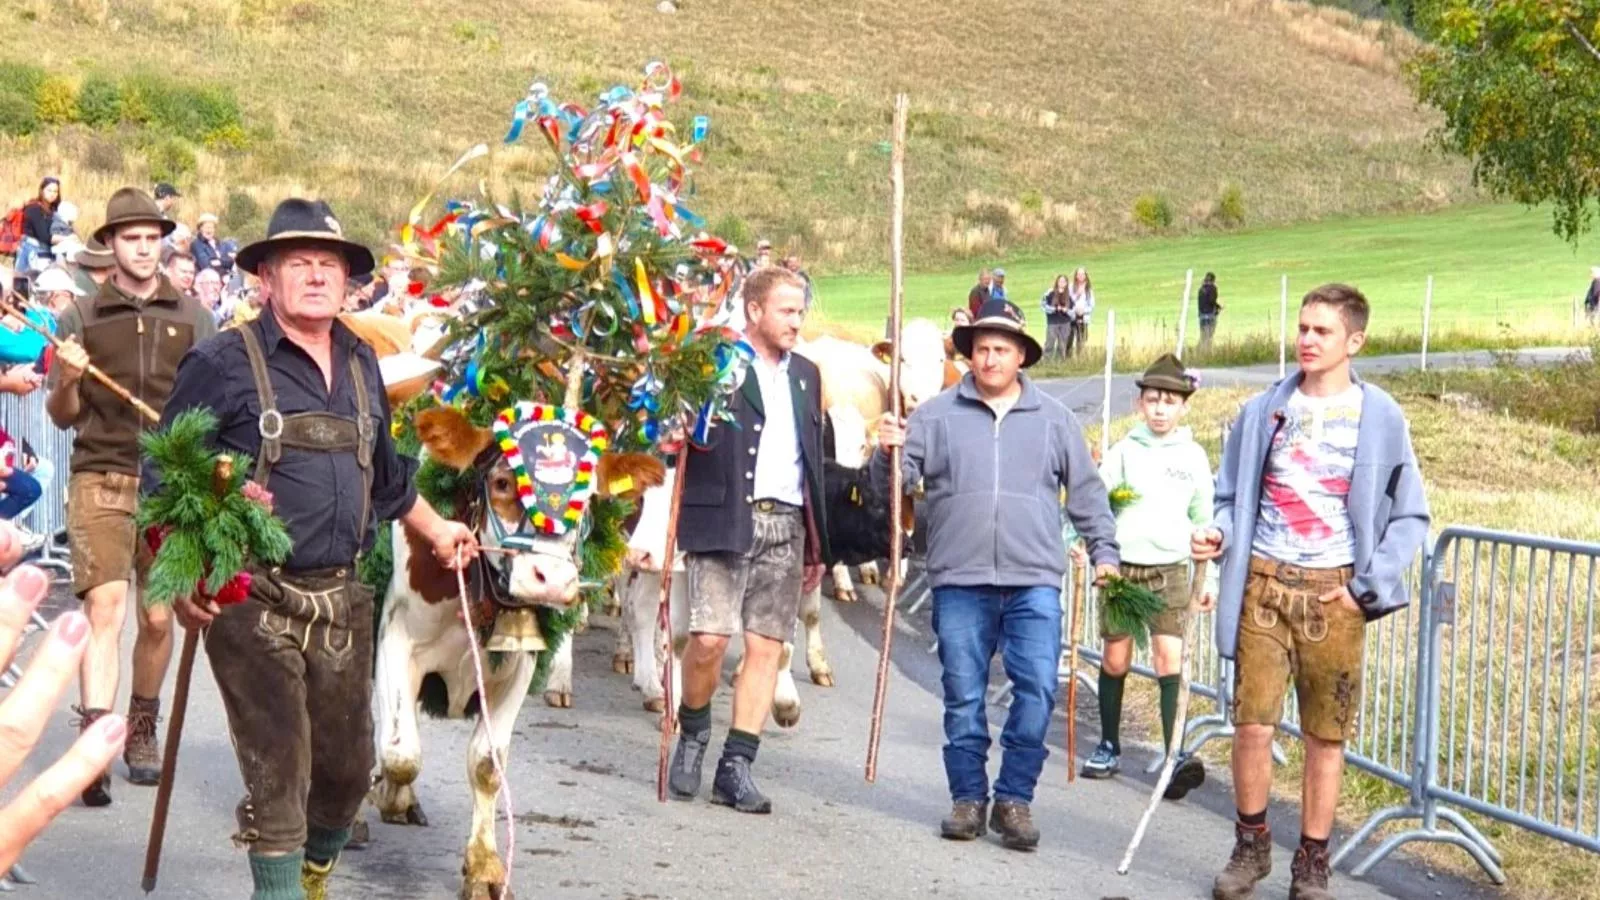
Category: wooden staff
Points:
column 1072, row 676
column 669, row 716
column 1175, row 742
column 221, row 479
column 897, row 226
column 10, row 309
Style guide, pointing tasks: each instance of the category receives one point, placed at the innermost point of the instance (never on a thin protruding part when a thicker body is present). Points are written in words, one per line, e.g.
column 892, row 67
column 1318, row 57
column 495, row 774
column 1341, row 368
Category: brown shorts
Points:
column 1172, row 584
column 1286, row 632
column 759, row 591
column 100, row 527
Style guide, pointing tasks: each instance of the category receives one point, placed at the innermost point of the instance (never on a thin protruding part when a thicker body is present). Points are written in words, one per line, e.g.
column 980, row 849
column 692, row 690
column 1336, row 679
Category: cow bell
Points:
column 516, row 631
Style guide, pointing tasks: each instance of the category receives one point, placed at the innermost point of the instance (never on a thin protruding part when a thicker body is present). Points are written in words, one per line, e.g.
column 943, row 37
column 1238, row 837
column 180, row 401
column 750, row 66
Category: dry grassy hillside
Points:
column 1036, row 123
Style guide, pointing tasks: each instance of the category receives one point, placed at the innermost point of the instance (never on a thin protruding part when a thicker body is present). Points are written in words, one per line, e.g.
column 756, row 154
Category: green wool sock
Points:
column 277, row 877
column 1111, row 709
column 323, row 845
column 1169, row 707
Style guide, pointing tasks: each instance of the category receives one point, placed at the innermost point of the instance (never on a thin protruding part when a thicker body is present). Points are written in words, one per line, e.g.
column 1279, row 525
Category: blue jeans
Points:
column 22, row 491
column 1026, row 625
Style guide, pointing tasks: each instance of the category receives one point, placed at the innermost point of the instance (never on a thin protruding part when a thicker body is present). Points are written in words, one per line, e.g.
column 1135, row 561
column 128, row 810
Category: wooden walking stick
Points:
column 1072, row 677
column 1175, row 742
column 669, row 715
column 7, row 307
column 897, row 216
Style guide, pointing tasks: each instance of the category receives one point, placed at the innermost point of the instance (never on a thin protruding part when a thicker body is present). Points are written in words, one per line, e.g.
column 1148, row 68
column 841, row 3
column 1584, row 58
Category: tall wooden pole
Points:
column 1074, row 636
column 669, row 716
column 8, row 307
column 897, row 225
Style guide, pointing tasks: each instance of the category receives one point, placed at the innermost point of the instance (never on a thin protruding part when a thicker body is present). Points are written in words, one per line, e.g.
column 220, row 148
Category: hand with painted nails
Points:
column 29, row 705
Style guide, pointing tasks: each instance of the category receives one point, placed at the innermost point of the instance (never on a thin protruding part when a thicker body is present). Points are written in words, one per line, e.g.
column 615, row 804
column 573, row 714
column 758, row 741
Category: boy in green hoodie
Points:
column 1171, row 482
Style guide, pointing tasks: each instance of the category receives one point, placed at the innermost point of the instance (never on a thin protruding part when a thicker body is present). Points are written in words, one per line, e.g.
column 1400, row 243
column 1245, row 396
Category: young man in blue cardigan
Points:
column 1319, row 514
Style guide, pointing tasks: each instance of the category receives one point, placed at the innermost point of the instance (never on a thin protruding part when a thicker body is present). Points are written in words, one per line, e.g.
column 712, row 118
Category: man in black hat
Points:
column 993, row 454
column 299, row 393
column 135, row 329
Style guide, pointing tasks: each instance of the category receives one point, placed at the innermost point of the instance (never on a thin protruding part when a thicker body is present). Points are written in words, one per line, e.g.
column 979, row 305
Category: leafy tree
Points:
column 1518, row 82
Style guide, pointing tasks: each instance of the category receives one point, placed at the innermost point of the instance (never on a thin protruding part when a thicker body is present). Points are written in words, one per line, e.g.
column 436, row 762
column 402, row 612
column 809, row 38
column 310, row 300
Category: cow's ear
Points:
column 628, row 474
column 883, row 351
column 451, row 438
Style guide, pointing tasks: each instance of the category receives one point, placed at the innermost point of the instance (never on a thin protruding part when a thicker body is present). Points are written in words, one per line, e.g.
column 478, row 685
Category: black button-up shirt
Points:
column 317, row 494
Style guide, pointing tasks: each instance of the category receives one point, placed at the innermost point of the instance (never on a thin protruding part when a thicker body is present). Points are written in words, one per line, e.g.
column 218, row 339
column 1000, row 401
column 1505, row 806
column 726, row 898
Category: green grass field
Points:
column 1500, row 277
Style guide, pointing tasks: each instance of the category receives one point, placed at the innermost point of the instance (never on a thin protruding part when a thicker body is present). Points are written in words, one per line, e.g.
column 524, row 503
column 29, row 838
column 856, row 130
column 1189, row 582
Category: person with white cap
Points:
column 204, row 248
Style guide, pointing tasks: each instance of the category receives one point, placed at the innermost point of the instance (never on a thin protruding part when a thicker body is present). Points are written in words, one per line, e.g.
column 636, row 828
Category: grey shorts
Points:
column 759, row 591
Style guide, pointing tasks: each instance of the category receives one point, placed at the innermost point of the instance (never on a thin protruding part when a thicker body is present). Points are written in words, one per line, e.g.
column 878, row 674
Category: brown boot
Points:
column 142, row 753
column 1014, row 823
column 1251, row 861
column 965, row 821
column 1311, row 872
column 98, row 793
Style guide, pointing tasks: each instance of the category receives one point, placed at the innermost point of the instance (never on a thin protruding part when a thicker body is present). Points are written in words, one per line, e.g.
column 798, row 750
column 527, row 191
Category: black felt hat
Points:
column 998, row 315
column 297, row 221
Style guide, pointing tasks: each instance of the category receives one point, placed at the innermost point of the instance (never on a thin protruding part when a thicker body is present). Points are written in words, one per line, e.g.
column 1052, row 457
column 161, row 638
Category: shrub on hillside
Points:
column 17, row 115
column 131, row 103
column 180, row 110
column 1153, row 211
column 1229, row 211
column 21, row 80
column 170, row 160
column 733, row 229
column 102, row 155
column 241, row 212
column 56, row 102
column 228, row 137
column 100, row 102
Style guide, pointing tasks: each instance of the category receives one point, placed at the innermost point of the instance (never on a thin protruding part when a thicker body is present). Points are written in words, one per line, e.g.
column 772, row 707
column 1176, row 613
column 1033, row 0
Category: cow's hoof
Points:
column 482, row 891
column 869, row 576
column 844, row 595
column 612, row 608
column 411, row 815
column 786, row 716
column 558, row 699
column 657, row 705
column 823, row 678
column 360, row 834
column 622, row 665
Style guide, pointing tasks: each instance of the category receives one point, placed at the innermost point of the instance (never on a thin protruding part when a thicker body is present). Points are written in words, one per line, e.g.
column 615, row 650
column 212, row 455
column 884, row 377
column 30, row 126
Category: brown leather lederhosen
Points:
column 294, row 661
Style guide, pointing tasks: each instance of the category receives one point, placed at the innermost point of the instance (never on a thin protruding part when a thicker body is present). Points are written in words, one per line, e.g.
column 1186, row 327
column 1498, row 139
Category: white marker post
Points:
column 1183, row 310
column 1283, row 327
column 1427, row 314
column 1105, row 402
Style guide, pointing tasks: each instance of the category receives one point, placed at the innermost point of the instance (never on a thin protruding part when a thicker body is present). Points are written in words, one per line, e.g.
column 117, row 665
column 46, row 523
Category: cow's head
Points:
column 542, row 566
column 922, row 358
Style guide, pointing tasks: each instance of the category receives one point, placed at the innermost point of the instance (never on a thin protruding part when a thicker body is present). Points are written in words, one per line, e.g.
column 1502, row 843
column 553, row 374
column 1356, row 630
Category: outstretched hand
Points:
column 30, row 705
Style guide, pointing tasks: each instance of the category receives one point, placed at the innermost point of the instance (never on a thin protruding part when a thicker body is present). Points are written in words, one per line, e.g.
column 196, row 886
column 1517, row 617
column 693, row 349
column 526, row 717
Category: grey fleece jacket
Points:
column 1388, row 509
column 993, row 507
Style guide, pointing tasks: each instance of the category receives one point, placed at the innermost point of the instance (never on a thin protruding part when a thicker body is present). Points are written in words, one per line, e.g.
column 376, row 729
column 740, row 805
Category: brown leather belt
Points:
column 1290, row 575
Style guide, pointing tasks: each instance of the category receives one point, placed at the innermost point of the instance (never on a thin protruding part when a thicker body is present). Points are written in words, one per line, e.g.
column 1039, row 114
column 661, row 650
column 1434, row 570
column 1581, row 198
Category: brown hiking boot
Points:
column 98, row 793
column 142, row 753
column 1311, row 872
column 1251, row 861
column 1014, row 823
column 965, row 821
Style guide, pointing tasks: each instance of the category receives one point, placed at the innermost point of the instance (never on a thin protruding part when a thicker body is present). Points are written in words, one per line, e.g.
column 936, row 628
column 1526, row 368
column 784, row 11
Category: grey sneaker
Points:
column 683, row 779
column 1103, row 763
column 1187, row 775
column 965, row 822
column 734, row 787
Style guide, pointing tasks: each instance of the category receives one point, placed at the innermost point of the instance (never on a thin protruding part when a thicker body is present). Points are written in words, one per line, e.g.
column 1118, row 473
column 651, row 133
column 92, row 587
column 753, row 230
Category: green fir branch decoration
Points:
column 1128, row 608
column 210, row 538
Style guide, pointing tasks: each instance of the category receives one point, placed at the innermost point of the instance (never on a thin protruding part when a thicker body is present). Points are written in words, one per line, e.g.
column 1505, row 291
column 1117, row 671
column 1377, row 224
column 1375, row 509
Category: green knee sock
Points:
column 1111, row 709
column 323, row 845
column 277, row 877
column 1169, row 707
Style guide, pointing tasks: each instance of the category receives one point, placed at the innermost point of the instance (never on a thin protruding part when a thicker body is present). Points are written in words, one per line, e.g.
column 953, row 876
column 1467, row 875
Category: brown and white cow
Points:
column 421, row 631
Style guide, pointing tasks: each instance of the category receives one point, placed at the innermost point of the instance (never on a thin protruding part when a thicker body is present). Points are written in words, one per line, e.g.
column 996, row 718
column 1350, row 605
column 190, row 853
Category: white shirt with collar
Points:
column 779, row 469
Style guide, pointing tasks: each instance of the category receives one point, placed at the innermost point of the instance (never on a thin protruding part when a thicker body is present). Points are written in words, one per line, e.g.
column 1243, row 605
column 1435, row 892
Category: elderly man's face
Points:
column 306, row 284
column 208, row 288
column 181, row 273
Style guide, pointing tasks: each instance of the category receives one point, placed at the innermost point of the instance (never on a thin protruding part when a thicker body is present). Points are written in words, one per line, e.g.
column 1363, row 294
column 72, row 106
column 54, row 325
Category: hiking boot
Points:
column 1251, row 861
column 1187, row 775
column 965, row 821
column 142, row 753
column 98, row 793
column 1014, row 823
column 1310, row 871
column 1103, row 763
column 734, row 787
column 314, row 878
column 683, row 779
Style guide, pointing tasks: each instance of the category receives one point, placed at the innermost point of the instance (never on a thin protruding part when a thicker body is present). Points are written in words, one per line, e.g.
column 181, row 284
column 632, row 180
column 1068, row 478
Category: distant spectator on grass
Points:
column 1057, row 306
column 179, row 269
column 207, row 254
column 1082, row 293
column 1591, row 301
column 167, row 197
column 997, row 287
column 34, row 254
column 1210, row 308
column 979, row 295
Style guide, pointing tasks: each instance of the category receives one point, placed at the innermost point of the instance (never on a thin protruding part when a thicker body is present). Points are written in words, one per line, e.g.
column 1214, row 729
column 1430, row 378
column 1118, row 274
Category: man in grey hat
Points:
column 135, row 328
column 299, row 393
column 993, row 454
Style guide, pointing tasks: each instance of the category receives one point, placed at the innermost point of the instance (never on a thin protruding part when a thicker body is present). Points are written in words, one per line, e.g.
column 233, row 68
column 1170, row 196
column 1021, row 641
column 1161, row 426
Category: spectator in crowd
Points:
column 1591, row 301
column 167, row 197
column 92, row 266
column 960, row 317
column 763, row 254
column 52, row 292
column 204, row 249
column 390, row 293
column 247, row 308
column 179, row 268
column 208, row 290
column 34, row 254
column 1057, row 305
column 792, row 263
column 997, row 287
column 178, row 241
column 228, row 248
column 979, row 295
column 19, row 490
column 358, row 294
column 1209, row 309
column 1082, row 293
column 64, row 240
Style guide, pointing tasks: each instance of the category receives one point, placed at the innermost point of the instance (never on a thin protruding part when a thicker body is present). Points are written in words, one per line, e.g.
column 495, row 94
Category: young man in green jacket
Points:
column 1170, row 480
